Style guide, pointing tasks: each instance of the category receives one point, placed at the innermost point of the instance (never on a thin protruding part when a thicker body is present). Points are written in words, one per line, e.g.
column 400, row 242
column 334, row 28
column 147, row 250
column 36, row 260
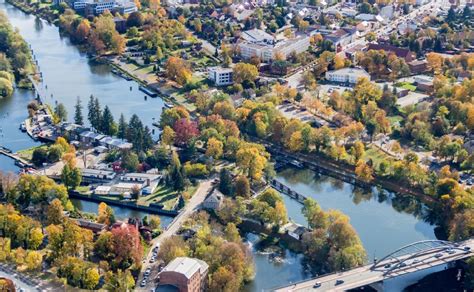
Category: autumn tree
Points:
column 364, row 171
column 178, row 70
column 244, row 73
column 215, row 148
column 252, row 159
column 171, row 248
column 242, row 187
column 105, row 214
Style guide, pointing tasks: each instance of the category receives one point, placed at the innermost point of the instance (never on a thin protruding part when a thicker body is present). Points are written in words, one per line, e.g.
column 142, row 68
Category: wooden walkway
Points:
column 287, row 191
column 14, row 156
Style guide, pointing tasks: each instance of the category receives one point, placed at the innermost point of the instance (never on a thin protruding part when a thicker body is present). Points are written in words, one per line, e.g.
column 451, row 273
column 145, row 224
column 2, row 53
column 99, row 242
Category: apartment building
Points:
column 220, row 76
column 346, row 75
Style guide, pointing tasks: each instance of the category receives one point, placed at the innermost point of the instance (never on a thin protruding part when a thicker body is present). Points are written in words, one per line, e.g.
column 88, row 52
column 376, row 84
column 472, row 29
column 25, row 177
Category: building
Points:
column 93, row 226
column 405, row 54
column 98, row 7
column 418, row 66
column 341, row 37
column 258, row 43
column 295, row 230
column 125, row 189
column 213, row 201
column 220, row 76
column 95, row 174
column 346, row 75
column 186, row 274
column 424, row 82
column 102, row 190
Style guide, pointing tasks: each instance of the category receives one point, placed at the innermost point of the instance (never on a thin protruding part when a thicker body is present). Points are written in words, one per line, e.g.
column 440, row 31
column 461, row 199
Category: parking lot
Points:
column 291, row 111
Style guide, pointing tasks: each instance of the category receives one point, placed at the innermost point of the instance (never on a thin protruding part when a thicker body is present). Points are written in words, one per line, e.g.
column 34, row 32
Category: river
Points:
column 383, row 221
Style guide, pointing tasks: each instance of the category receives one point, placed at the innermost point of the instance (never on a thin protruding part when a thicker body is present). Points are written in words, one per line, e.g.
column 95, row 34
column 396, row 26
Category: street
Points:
column 191, row 206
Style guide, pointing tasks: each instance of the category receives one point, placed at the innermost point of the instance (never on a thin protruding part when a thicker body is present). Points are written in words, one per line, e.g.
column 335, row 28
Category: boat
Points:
column 148, row 91
column 23, row 127
column 169, row 105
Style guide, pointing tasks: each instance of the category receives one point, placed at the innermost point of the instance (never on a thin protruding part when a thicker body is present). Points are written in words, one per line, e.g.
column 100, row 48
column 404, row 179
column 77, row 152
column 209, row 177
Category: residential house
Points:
column 213, row 201
column 294, row 230
column 424, row 82
column 186, row 274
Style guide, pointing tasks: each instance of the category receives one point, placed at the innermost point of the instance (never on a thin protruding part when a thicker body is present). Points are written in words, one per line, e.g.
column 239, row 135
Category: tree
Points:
column 168, row 136
column 225, row 182
column 339, row 62
column 364, row 171
column 357, row 151
column 252, row 161
column 82, row 31
column 105, row 214
column 107, row 124
column 185, row 130
column 60, row 112
column 78, row 118
column 94, row 112
column 135, row 19
column 316, row 217
column 244, row 72
column 36, row 238
column 33, row 260
column 122, row 281
column 178, row 70
column 127, row 247
column 242, row 187
column 71, row 176
column 215, row 148
column 54, row 212
column 171, row 248
column 154, row 222
column 122, row 127
column 91, row 278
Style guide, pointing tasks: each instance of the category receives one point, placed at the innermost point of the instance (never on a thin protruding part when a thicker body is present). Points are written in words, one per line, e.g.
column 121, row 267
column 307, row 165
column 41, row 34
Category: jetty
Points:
column 18, row 160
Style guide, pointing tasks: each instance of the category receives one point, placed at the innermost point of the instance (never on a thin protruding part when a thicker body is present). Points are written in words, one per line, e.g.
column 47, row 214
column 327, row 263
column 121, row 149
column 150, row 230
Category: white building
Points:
column 346, row 75
column 258, row 43
column 220, row 76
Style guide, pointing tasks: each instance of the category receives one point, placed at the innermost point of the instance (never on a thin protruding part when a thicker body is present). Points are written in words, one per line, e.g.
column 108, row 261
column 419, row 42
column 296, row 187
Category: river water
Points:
column 383, row 221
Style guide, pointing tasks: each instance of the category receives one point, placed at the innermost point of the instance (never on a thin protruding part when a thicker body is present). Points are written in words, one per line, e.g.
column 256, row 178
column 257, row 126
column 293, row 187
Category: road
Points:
column 191, row 206
column 365, row 275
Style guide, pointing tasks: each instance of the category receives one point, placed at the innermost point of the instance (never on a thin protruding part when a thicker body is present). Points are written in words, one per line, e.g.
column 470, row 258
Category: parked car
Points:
column 317, row 285
column 339, row 282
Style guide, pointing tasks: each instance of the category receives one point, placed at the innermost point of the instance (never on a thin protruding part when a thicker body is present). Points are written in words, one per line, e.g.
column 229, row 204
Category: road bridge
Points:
column 393, row 272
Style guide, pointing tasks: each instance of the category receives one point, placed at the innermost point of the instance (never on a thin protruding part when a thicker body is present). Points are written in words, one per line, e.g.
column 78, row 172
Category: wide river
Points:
column 383, row 221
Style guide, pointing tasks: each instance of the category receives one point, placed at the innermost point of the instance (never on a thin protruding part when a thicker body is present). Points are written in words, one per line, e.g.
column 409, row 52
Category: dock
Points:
column 148, row 91
column 18, row 160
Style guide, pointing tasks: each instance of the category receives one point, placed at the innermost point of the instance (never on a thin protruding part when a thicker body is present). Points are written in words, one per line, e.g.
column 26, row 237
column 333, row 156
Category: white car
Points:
column 143, row 283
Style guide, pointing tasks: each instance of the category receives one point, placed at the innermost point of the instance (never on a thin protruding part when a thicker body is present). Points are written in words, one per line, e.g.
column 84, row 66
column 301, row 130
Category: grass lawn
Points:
column 376, row 155
column 406, row 85
column 395, row 119
column 184, row 102
column 83, row 189
column 28, row 153
column 162, row 195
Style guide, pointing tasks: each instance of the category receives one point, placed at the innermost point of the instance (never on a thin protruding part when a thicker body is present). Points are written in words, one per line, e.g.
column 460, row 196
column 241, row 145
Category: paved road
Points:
column 192, row 206
column 365, row 275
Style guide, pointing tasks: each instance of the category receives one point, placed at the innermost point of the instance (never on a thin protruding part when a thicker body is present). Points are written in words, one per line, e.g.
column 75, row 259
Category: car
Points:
column 317, row 285
column 339, row 282
column 143, row 283
column 152, row 260
column 387, row 266
column 415, row 262
column 402, row 265
column 450, row 251
column 467, row 248
column 438, row 255
column 147, row 272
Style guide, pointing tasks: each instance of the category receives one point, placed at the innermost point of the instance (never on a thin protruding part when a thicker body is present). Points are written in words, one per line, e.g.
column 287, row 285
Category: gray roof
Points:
column 186, row 266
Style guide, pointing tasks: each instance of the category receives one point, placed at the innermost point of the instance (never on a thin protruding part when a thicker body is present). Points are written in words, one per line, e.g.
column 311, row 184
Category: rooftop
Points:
column 257, row 36
column 186, row 266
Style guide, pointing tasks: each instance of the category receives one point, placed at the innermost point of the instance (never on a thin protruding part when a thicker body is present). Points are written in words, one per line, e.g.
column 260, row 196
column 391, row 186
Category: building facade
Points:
column 220, row 76
column 346, row 75
column 186, row 274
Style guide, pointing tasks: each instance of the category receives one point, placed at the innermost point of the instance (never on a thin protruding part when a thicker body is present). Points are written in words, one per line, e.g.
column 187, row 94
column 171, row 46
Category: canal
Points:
column 384, row 221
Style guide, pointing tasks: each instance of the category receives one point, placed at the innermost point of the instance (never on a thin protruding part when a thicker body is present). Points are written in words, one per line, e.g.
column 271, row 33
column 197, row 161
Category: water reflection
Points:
column 383, row 220
column 38, row 24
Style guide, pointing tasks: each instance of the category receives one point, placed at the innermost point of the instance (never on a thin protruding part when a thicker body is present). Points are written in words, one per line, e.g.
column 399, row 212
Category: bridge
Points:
column 394, row 272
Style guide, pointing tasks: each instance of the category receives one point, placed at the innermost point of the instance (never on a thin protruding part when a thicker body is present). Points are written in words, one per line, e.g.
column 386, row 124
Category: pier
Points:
column 287, row 191
column 18, row 160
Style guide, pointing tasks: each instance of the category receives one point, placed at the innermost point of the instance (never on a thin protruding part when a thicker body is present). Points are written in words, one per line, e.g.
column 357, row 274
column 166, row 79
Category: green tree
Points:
column 225, row 182
column 122, row 127
column 78, row 118
column 71, row 176
column 60, row 112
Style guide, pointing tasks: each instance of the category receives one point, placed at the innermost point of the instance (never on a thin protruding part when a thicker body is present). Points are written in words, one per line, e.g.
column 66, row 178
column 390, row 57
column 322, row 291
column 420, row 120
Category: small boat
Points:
column 148, row 91
column 169, row 105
